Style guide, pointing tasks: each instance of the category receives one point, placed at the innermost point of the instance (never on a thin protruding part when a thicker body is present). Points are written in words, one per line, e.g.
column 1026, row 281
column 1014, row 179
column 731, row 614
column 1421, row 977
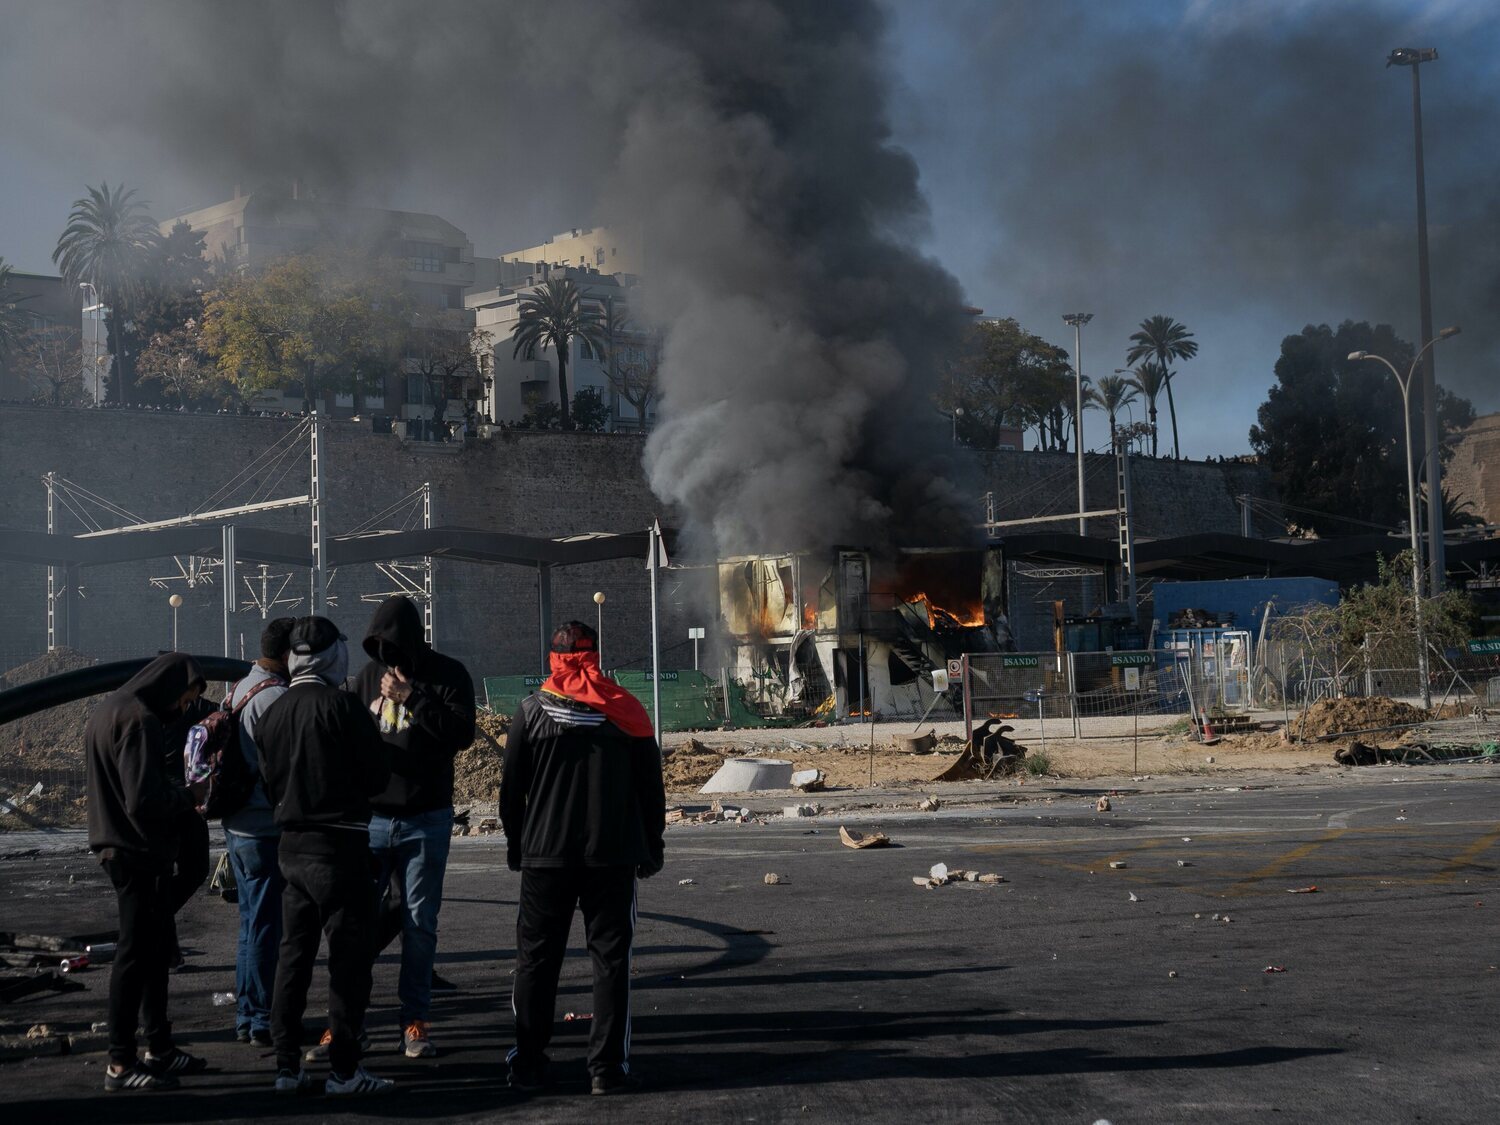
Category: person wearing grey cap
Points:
column 322, row 759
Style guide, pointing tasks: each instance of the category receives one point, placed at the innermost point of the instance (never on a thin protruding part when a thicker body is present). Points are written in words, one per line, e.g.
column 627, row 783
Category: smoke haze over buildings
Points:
column 1244, row 167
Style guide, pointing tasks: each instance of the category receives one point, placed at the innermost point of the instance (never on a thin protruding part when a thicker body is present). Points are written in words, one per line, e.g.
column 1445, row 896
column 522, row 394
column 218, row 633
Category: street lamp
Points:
column 1414, row 57
column 1411, row 497
column 175, row 601
column 599, row 606
column 1078, row 320
column 958, row 412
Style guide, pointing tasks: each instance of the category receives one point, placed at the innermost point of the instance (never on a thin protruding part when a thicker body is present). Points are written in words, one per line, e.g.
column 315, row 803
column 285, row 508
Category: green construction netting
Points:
column 689, row 699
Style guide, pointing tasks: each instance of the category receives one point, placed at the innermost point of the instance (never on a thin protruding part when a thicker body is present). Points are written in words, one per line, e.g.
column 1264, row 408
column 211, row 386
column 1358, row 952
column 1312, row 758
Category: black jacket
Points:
column 133, row 802
column 578, row 791
column 321, row 759
column 435, row 723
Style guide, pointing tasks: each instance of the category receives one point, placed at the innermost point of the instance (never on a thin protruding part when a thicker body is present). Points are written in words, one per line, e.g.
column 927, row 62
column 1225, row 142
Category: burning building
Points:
column 843, row 632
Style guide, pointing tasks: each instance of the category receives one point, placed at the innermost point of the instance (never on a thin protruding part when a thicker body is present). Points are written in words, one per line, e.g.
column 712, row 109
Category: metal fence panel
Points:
column 1008, row 685
column 1147, row 681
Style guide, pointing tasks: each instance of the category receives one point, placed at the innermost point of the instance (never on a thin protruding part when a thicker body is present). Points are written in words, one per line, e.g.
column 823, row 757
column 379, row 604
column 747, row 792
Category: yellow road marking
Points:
column 1466, row 857
column 1282, row 862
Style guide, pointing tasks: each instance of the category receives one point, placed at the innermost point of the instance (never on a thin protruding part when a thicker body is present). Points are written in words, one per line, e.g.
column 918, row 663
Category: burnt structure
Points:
column 845, row 632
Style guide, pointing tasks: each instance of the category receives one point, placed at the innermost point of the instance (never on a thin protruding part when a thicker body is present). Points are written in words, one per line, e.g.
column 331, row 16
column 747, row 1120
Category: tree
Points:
column 447, row 360
column 1003, row 376
column 1112, row 393
column 553, row 316
column 108, row 239
column 50, row 359
column 632, row 359
column 590, row 411
column 1331, row 430
column 176, row 360
column 332, row 325
column 1148, row 379
column 13, row 319
column 1163, row 339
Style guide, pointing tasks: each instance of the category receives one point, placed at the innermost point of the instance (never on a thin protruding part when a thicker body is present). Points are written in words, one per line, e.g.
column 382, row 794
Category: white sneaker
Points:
column 359, row 1084
column 288, row 1082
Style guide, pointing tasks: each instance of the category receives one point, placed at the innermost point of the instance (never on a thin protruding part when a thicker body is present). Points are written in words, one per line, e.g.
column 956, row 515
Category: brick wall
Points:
column 1474, row 472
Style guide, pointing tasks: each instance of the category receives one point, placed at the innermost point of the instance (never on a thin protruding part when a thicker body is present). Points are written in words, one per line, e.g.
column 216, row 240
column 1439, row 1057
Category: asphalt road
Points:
column 848, row 994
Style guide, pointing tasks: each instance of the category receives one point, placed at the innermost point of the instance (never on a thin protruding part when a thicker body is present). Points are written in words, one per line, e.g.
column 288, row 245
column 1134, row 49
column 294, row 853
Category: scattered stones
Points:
column 772, row 879
column 863, row 839
column 930, row 804
column 1133, row 897
column 1172, row 974
column 1101, row 805
column 686, row 883
column 794, row 811
column 1116, row 864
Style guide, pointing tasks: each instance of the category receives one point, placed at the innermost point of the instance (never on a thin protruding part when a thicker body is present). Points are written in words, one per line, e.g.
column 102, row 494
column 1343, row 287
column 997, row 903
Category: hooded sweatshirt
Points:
column 133, row 802
column 435, row 722
column 321, row 757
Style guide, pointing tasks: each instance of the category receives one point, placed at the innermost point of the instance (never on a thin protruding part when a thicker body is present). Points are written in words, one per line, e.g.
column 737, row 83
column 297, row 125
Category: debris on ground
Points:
column 863, row 839
column 686, row 883
column 688, row 765
column 1133, row 897
column 929, row 804
column 476, row 769
column 674, row 815
column 1101, row 805
column 809, row 781
column 772, row 879
column 578, row 1017
column 940, row 874
column 792, row 812
column 1172, row 974
column 1117, row 864
column 1310, row 890
column 917, row 743
column 989, row 753
column 1274, row 969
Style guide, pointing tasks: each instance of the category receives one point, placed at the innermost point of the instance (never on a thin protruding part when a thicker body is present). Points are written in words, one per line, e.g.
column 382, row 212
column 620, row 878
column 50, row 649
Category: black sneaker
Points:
column 527, row 1077
column 176, row 1061
column 242, row 1035
column 262, row 1038
column 613, row 1082
column 137, row 1077
column 442, row 984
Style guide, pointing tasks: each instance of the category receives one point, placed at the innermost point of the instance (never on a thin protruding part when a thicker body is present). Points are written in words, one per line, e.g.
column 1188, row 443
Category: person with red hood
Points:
column 584, row 811
column 135, row 811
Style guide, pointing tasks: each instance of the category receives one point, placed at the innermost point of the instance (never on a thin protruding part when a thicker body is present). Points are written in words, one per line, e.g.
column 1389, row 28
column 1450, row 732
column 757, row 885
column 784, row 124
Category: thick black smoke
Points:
column 749, row 138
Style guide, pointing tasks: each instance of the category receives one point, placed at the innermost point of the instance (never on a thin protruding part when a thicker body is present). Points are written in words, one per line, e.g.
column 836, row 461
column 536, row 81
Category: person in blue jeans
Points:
column 424, row 703
column 253, row 841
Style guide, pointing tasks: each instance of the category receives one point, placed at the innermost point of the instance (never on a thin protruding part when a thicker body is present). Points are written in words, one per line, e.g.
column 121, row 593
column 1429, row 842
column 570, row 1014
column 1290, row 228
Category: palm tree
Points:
column 1163, row 339
column 1149, row 379
column 106, row 243
column 553, row 316
column 1112, row 393
column 13, row 321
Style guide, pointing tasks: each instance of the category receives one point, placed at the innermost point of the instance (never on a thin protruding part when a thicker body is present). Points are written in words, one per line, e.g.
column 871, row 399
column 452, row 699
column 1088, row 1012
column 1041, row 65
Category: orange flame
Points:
column 968, row 617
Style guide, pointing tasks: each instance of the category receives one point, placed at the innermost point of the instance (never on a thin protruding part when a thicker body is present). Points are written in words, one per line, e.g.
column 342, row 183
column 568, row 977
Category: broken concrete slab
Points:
column 809, row 780
column 750, row 775
column 853, row 839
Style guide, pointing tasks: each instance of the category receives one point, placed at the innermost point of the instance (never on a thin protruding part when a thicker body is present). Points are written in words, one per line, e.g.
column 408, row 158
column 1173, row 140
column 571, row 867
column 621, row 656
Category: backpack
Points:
column 212, row 753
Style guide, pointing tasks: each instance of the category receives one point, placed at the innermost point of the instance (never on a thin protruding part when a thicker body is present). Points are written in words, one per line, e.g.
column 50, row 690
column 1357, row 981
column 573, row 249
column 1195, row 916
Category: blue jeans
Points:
column 414, row 850
column 253, row 859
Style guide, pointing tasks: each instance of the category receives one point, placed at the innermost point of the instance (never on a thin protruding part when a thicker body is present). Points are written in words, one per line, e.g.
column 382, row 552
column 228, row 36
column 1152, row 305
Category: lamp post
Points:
column 1404, row 382
column 1078, row 320
column 958, row 412
column 1414, row 57
column 599, row 609
column 175, row 601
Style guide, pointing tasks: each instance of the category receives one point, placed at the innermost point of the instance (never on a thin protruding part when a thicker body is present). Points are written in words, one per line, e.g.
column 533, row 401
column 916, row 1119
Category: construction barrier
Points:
column 690, row 700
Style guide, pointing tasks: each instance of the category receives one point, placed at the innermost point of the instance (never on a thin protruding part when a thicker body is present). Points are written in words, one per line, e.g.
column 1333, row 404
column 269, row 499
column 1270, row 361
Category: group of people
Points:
column 345, row 834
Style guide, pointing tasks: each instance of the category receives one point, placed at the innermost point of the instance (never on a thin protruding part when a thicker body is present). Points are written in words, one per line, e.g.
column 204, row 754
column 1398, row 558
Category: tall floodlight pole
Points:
column 317, row 601
column 1404, row 382
column 1078, row 320
column 1432, row 432
column 429, row 617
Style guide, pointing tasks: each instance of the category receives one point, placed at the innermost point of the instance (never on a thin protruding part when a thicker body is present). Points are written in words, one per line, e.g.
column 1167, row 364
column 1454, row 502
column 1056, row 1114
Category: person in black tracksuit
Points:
column 134, row 812
column 583, row 807
column 321, row 760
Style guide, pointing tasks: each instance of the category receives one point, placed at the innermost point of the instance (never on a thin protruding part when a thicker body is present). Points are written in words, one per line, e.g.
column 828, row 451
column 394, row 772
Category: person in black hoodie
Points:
column 584, row 811
column 135, row 811
column 321, row 760
column 424, row 703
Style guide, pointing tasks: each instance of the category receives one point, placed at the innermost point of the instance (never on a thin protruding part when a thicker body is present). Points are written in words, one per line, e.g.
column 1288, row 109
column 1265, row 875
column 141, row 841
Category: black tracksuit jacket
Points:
column 321, row 758
column 435, row 723
column 133, row 802
column 579, row 792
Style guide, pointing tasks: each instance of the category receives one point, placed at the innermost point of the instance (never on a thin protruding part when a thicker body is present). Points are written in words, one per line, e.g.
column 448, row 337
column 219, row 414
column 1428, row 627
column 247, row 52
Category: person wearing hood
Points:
column 584, row 811
column 134, row 813
column 424, row 703
column 321, row 761
column 252, row 841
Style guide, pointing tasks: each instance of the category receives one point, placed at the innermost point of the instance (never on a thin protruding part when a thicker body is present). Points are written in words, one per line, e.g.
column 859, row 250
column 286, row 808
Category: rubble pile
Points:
column 688, row 766
column 476, row 770
column 1337, row 716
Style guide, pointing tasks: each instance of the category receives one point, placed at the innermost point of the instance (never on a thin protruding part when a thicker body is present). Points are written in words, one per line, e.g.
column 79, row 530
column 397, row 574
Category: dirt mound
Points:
column 686, row 767
column 477, row 769
column 53, row 663
column 1336, row 716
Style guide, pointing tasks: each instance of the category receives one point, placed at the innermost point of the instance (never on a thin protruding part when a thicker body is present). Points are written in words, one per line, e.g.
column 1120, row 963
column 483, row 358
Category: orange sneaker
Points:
column 320, row 1052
